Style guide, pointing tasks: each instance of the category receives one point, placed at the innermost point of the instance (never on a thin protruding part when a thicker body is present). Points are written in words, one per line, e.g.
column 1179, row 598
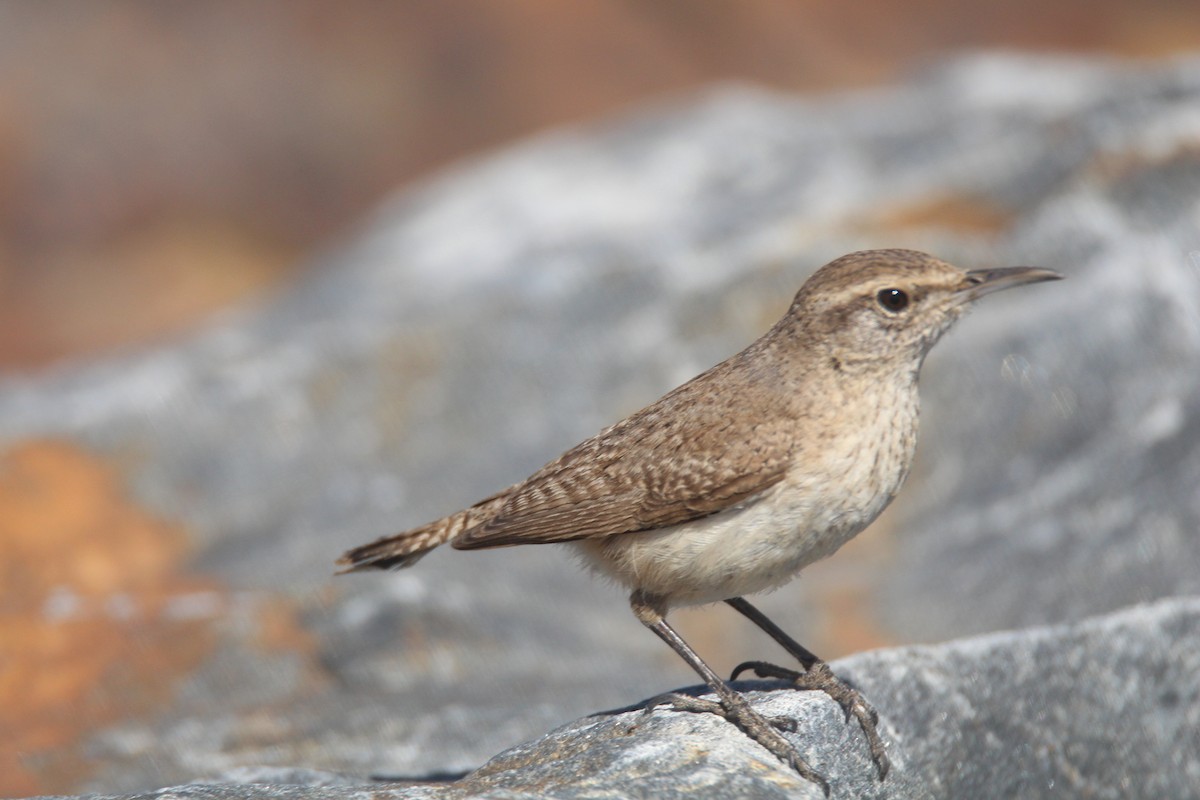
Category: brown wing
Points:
column 652, row 470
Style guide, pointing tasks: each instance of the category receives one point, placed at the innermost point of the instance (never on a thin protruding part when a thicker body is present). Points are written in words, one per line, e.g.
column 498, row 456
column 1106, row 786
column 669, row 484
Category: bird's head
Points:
column 889, row 307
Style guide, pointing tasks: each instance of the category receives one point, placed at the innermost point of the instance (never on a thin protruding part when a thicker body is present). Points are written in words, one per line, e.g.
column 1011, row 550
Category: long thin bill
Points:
column 985, row 281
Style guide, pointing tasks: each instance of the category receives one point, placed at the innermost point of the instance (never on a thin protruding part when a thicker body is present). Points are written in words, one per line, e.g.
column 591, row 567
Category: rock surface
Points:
column 485, row 321
column 1108, row 708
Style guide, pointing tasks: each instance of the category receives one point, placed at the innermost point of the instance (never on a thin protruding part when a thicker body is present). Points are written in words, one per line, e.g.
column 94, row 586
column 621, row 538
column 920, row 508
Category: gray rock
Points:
column 485, row 321
column 1108, row 708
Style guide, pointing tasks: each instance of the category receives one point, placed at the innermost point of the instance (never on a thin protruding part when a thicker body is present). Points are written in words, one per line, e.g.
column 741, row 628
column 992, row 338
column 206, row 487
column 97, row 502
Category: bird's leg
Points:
column 802, row 654
column 732, row 705
column 817, row 676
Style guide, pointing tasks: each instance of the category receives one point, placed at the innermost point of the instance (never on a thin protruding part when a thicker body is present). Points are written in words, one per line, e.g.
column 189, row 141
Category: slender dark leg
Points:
column 732, row 706
column 801, row 653
column 817, row 676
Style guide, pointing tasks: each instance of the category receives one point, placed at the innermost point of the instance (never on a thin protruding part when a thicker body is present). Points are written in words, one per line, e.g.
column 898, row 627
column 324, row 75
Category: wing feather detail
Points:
column 611, row 485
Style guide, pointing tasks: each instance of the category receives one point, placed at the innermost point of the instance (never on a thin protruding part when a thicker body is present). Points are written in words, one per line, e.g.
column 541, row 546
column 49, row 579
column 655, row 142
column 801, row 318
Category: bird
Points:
column 732, row 483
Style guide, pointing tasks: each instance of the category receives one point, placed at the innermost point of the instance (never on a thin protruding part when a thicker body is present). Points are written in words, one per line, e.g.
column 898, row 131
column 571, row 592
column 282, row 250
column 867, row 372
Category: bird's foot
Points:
column 698, row 705
column 762, row 729
column 820, row 678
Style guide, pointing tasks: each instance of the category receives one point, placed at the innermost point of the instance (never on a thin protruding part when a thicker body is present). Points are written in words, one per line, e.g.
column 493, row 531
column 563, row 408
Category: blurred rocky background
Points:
column 263, row 296
column 159, row 161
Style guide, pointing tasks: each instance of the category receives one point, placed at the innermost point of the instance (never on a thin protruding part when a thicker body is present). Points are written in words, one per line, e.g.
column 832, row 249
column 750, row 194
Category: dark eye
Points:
column 892, row 299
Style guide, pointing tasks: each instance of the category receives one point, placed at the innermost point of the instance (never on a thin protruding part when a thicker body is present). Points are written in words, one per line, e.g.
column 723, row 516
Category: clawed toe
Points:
column 807, row 772
column 785, row 724
column 697, row 705
column 762, row 729
column 765, row 731
column 684, row 702
column 821, row 678
column 765, row 669
column 749, row 666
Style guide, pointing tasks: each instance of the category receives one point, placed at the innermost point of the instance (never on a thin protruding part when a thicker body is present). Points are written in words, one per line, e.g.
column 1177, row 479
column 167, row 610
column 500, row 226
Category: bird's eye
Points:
column 893, row 300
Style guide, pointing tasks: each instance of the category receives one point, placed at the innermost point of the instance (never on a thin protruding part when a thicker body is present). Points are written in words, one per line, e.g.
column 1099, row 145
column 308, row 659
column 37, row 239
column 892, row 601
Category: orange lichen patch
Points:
column 957, row 212
column 279, row 628
column 166, row 276
column 90, row 591
column 848, row 625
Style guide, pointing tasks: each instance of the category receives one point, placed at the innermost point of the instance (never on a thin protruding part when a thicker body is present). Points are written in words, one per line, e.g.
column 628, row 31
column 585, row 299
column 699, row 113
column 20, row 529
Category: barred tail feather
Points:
column 405, row 549
column 390, row 552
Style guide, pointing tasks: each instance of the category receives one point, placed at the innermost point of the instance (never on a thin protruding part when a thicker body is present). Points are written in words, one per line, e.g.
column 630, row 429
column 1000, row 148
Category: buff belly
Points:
column 752, row 548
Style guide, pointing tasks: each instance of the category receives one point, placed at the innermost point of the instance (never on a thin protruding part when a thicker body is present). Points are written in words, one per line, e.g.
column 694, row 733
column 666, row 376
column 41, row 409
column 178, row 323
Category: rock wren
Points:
column 733, row 482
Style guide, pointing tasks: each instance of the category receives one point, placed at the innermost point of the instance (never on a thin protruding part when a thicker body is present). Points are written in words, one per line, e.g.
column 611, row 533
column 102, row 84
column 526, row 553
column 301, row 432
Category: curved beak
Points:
column 979, row 282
